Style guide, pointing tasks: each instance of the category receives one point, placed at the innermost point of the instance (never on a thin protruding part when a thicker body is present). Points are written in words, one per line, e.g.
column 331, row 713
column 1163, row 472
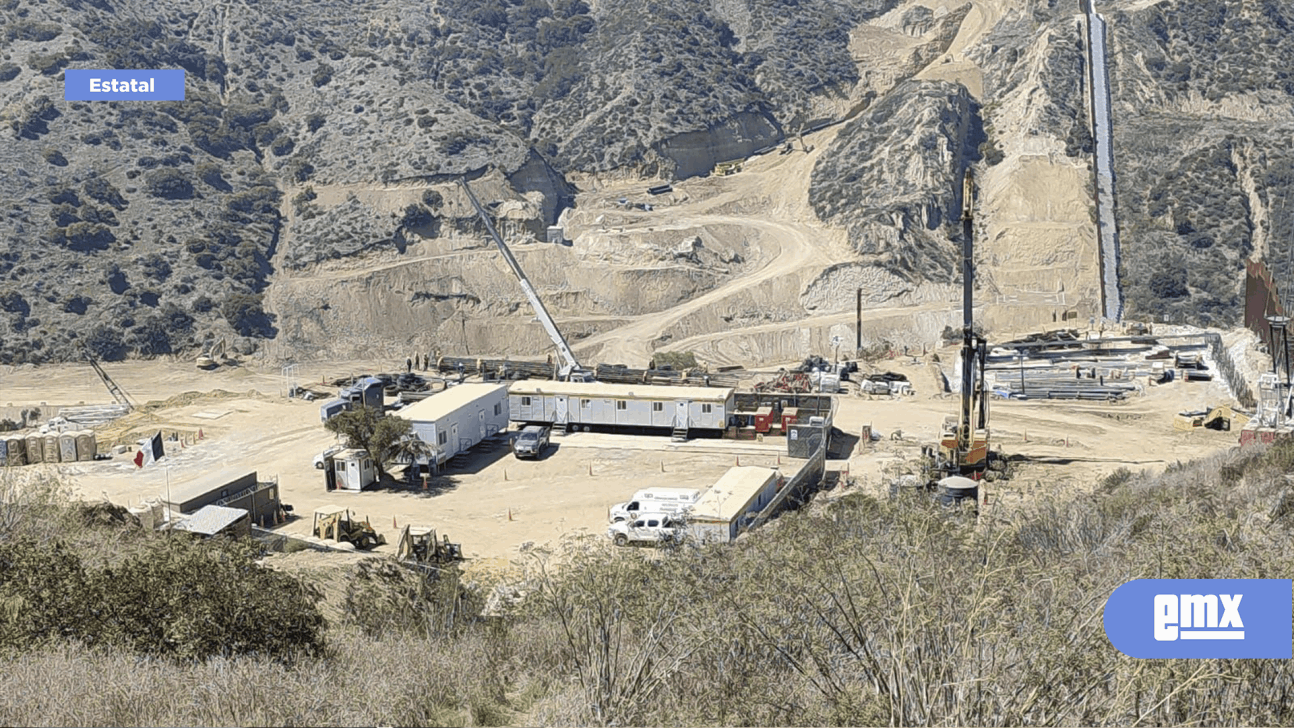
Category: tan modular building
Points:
column 732, row 501
column 455, row 420
column 571, row 405
column 232, row 487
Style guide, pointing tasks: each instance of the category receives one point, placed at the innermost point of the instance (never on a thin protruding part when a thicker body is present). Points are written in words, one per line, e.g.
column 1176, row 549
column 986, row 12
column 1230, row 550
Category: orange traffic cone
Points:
column 393, row 523
column 509, row 514
column 739, row 461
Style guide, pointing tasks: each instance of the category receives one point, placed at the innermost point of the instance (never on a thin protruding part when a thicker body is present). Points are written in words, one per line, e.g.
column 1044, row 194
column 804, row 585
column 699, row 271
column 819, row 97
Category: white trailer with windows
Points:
column 455, row 420
column 567, row 405
column 735, row 499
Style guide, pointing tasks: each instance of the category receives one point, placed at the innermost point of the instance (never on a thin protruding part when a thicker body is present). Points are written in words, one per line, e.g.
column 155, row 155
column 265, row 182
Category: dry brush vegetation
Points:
column 856, row 611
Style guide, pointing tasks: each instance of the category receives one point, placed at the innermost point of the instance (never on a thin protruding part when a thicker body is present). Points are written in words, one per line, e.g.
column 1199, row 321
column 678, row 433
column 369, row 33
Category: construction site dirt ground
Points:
column 494, row 505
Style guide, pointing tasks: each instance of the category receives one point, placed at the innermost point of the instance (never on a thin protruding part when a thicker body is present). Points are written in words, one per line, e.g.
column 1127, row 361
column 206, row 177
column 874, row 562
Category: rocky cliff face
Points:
column 1203, row 122
column 892, row 178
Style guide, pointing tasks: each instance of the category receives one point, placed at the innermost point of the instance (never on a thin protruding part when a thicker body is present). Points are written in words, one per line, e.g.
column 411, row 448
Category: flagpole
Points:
column 168, row 495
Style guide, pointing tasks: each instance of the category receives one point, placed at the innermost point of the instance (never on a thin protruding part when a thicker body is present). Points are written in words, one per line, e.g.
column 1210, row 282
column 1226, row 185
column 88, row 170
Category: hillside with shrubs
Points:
column 1203, row 127
column 145, row 229
column 852, row 611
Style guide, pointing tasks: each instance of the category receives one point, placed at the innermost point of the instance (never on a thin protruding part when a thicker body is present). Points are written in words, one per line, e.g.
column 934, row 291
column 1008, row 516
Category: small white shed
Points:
column 353, row 470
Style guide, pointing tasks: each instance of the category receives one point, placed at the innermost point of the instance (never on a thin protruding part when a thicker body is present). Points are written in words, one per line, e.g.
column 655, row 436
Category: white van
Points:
column 660, row 500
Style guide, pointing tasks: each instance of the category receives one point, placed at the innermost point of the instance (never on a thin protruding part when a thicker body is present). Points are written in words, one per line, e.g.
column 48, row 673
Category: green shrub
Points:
column 168, row 184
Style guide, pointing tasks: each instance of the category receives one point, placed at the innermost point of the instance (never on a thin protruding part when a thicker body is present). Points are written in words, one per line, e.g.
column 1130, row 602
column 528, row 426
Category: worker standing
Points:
column 408, row 364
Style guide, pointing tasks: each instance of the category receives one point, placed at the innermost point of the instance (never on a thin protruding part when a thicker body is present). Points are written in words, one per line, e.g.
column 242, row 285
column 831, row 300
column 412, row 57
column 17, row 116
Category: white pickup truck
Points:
column 653, row 528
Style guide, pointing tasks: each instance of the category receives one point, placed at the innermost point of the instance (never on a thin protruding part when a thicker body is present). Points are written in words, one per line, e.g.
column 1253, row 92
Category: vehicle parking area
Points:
column 491, row 502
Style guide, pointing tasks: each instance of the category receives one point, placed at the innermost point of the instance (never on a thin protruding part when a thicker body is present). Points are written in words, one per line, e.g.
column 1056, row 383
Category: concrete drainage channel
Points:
column 1107, row 226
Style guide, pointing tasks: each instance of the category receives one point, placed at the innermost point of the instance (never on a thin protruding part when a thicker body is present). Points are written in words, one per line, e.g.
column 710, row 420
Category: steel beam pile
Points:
column 507, row 369
column 93, row 415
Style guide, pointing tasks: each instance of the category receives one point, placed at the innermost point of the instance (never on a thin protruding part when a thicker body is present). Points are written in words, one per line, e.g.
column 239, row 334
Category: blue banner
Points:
column 1202, row 618
column 110, row 85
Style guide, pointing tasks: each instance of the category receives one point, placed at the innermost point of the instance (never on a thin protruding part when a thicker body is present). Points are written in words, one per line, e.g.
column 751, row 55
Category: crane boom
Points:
column 116, row 391
column 570, row 366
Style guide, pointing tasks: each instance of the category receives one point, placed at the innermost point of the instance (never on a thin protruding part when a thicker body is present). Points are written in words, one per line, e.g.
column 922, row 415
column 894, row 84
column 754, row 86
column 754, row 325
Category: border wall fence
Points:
column 1227, row 367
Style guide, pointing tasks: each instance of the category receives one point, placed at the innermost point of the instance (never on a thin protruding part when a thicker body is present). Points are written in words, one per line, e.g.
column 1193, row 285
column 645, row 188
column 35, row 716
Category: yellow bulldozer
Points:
column 333, row 523
column 419, row 545
column 723, row 169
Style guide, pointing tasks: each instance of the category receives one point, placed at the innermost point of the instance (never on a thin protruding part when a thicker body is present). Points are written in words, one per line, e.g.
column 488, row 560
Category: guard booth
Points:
column 349, row 470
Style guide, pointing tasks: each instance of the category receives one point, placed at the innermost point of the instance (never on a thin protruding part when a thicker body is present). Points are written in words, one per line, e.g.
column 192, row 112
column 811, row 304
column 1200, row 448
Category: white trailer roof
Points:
column 593, row 390
column 443, row 403
column 729, row 495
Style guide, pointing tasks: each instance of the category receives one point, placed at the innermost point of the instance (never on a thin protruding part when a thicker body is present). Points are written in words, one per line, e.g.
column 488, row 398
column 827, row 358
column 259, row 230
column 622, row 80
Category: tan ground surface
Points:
column 496, row 504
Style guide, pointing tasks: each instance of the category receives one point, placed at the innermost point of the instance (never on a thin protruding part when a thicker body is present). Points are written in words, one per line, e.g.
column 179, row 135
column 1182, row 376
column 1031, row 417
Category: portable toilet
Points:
column 16, row 450
column 35, row 449
column 86, row 446
column 49, row 443
column 4, row 451
column 67, row 447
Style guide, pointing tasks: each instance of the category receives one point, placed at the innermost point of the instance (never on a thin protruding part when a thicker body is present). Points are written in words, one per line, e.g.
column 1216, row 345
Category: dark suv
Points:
column 531, row 442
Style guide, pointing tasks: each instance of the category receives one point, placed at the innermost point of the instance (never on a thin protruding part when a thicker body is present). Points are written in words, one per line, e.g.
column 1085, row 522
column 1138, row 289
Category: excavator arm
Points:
column 570, row 366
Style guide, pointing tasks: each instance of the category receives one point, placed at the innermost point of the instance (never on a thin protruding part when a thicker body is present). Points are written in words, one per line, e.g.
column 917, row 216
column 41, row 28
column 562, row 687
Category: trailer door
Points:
column 560, row 411
column 480, row 416
column 680, row 415
column 452, row 446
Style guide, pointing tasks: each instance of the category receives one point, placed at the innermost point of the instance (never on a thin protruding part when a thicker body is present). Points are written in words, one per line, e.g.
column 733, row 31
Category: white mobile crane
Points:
column 570, row 368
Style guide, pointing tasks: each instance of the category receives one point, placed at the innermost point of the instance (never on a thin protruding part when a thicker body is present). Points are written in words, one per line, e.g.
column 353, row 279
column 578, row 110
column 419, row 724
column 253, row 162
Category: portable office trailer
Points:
column 456, row 419
column 567, row 404
column 731, row 502
column 206, row 490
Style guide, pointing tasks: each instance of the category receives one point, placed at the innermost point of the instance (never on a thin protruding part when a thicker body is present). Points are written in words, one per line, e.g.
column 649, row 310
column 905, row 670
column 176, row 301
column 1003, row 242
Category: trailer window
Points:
column 525, row 401
column 584, row 403
column 657, row 406
column 441, row 438
column 707, row 409
column 621, row 404
column 496, row 409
